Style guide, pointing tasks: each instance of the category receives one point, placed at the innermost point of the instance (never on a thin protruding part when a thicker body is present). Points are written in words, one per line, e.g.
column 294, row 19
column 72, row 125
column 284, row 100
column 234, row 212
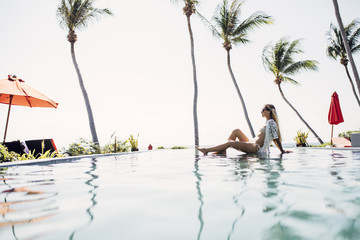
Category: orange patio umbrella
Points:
column 15, row 91
column 335, row 115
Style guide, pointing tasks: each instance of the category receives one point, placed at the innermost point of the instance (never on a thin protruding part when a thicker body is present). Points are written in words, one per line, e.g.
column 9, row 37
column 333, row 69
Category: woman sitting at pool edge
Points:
column 260, row 144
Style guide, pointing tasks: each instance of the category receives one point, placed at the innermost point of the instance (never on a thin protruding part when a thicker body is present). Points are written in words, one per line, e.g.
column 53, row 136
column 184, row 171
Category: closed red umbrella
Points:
column 14, row 91
column 335, row 116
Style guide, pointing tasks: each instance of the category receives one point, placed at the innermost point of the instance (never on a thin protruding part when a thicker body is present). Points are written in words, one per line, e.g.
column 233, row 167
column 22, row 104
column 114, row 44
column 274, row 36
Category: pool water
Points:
column 174, row 194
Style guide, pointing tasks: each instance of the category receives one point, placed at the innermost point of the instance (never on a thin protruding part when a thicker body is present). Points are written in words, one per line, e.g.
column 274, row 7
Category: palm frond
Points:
column 278, row 59
column 208, row 24
column 301, row 66
column 62, row 13
column 195, row 2
column 77, row 14
column 287, row 79
column 221, row 21
column 240, row 39
column 279, row 50
column 354, row 35
column 333, row 52
column 290, row 51
column 234, row 14
column 255, row 20
column 355, row 49
column 336, row 47
column 268, row 59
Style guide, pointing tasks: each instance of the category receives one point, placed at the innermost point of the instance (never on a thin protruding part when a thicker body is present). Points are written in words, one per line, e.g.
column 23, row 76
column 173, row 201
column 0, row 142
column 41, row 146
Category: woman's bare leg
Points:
column 241, row 146
column 237, row 133
column 218, row 148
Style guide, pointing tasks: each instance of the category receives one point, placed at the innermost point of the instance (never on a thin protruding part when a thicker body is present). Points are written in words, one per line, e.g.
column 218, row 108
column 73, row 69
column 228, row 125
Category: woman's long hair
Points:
column 273, row 115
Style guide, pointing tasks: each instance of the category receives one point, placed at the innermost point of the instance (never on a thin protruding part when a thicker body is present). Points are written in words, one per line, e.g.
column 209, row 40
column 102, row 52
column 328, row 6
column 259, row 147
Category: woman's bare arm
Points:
column 279, row 146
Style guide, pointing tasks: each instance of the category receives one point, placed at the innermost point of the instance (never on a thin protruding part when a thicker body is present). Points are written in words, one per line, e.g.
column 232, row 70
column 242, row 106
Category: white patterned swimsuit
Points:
column 271, row 132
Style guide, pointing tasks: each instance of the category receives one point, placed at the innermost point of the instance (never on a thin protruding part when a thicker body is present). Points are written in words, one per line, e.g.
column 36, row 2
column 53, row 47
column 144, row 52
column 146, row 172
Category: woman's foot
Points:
column 203, row 150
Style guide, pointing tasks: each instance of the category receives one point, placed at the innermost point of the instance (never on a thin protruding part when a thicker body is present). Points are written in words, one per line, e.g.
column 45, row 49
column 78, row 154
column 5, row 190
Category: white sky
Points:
column 137, row 70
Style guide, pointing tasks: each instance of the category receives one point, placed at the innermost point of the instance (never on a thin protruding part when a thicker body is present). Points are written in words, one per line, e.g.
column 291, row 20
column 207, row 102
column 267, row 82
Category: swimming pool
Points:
column 172, row 194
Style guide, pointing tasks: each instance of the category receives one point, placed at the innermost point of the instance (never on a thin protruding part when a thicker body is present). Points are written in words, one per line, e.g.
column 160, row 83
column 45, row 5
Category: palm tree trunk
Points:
column 307, row 125
column 86, row 98
column 346, row 43
column 196, row 128
column 352, row 84
column 240, row 96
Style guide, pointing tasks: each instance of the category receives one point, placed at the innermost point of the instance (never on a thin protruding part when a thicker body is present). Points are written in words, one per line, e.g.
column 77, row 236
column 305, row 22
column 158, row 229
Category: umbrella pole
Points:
column 7, row 120
column 332, row 129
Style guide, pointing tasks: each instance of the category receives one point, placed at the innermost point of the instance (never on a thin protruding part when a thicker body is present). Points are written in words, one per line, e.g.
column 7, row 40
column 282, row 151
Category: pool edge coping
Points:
column 73, row 158
column 62, row 159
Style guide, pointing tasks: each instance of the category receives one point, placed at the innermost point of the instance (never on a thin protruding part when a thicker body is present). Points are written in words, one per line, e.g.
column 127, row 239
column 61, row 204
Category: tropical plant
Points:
column 115, row 145
column 43, row 155
column 279, row 60
column 83, row 147
column 190, row 9
column 134, row 142
column 336, row 48
column 74, row 15
column 346, row 43
column 301, row 137
column 228, row 27
column 6, row 156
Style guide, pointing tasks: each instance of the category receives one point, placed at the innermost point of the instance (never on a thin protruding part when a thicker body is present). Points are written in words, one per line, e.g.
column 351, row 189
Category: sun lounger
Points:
column 341, row 142
column 355, row 139
column 37, row 145
column 16, row 146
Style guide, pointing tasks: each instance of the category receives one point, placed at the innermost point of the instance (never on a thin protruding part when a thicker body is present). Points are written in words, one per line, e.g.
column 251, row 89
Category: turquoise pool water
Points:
column 173, row 194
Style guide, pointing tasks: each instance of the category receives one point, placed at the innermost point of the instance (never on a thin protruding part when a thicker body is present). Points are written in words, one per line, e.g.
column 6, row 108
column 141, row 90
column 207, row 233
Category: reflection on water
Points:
column 199, row 194
column 31, row 197
column 92, row 194
column 16, row 200
column 254, row 166
column 299, row 196
column 281, row 231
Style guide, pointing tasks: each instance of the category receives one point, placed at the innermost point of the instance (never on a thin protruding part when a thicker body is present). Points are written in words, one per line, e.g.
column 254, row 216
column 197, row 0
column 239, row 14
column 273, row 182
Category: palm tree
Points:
column 347, row 46
column 336, row 48
column 228, row 27
column 74, row 15
column 279, row 60
column 189, row 9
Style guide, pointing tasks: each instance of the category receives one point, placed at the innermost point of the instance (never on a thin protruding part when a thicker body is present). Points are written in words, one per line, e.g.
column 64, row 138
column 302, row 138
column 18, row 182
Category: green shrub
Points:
column 121, row 146
column 322, row 145
column 83, row 147
column 6, row 156
column 161, row 147
column 178, row 147
column 347, row 134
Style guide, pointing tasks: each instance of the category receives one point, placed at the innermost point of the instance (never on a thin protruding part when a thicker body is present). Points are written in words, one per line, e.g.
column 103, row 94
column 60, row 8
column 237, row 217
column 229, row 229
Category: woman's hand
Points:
column 279, row 145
